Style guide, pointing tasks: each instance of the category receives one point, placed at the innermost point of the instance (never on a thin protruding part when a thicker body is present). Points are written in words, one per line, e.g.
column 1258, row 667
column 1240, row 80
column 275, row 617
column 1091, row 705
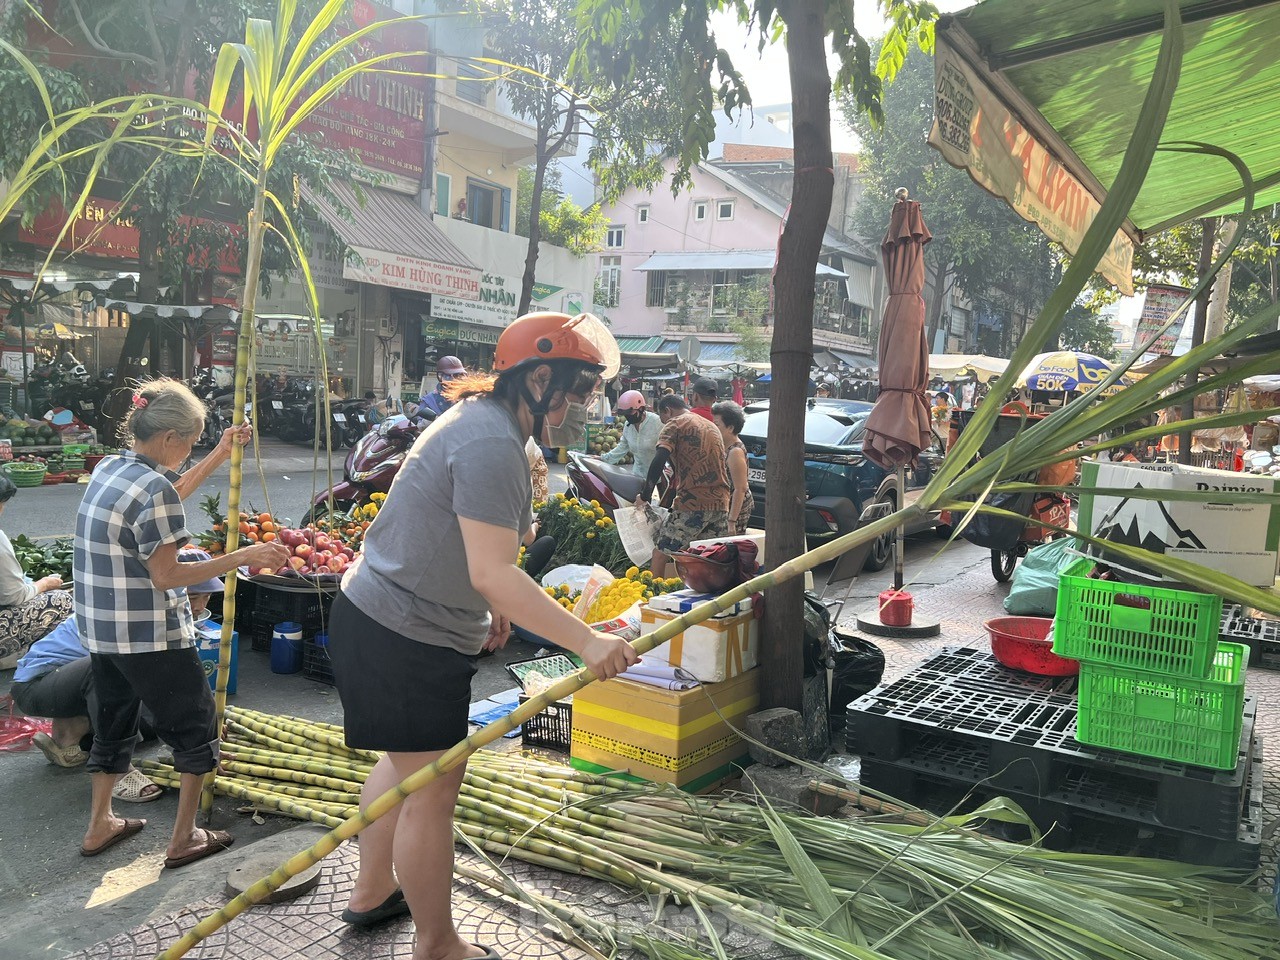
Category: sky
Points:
column 766, row 73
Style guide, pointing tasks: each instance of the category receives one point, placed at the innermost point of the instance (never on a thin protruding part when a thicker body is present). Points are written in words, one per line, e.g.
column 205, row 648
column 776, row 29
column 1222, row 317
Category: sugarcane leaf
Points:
column 1146, row 493
column 709, row 927
column 829, row 912
column 1002, row 809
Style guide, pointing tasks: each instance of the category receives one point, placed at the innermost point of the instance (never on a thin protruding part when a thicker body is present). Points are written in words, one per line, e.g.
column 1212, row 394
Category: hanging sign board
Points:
column 975, row 131
column 1158, row 305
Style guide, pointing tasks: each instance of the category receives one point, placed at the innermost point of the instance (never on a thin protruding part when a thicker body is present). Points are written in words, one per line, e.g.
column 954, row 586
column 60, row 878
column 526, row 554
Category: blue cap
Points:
column 193, row 555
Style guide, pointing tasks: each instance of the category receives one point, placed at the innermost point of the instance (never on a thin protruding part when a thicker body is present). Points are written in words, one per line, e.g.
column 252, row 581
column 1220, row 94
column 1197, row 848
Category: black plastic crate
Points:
column 1018, row 732
column 552, row 728
column 1262, row 637
column 316, row 664
column 1079, row 830
column 307, row 608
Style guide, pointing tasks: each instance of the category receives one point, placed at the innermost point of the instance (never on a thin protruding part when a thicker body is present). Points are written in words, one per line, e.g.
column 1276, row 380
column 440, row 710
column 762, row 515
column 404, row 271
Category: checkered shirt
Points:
column 129, row 509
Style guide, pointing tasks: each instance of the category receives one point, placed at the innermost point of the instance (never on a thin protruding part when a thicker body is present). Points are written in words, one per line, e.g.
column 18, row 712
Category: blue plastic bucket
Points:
column 286, row 648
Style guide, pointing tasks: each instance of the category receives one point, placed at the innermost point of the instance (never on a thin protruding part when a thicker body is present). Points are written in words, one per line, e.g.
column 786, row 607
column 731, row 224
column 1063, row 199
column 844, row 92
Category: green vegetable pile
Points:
column 52, row 558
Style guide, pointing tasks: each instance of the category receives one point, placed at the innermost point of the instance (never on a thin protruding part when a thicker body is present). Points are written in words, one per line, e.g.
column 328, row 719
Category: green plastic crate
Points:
column 1156, row 629
column 1172, row 718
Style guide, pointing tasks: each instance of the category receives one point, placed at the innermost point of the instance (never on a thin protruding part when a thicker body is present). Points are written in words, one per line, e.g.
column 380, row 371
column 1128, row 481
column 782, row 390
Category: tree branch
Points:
column 96, row 42
column 570, row 117
column 157, row 48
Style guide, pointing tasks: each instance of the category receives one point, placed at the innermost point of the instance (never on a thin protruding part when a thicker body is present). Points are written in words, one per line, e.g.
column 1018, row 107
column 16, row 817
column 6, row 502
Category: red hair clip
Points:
column 139, row 401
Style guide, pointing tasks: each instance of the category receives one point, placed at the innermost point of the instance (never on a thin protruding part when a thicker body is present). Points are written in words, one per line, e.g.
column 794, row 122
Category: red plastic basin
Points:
column 1020, row 643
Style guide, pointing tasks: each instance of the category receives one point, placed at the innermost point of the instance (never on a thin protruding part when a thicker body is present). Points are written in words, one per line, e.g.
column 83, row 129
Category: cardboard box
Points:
column 1238, row 539
column 664, row 736
column 713, row 651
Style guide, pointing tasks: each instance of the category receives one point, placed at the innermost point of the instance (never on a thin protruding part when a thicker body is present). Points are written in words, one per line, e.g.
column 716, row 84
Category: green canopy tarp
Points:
column 1037, row 99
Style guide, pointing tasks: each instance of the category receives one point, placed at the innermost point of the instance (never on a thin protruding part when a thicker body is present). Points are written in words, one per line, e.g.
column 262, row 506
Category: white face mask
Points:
column 571, row 430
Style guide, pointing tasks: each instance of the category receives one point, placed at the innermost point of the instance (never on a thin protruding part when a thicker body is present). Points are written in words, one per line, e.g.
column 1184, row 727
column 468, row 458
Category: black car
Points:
column 839, row 479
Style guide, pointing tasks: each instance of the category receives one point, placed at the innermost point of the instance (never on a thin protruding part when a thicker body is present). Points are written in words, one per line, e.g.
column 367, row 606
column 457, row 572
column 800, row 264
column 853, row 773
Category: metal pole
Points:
column 899, row 540
column 1208, row 237
column 26, row 381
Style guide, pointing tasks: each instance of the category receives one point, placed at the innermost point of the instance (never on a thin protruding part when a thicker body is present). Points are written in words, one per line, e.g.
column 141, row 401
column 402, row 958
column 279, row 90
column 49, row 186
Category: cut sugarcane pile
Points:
column 873, row 888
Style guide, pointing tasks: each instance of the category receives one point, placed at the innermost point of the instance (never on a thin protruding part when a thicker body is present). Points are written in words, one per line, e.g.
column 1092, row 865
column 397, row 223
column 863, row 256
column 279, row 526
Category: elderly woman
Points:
column 28, row 609
column 132, row 610
column 729, row 419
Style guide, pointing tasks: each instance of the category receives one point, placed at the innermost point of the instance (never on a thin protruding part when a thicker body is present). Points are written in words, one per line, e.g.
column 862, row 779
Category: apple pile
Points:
column 315, row 552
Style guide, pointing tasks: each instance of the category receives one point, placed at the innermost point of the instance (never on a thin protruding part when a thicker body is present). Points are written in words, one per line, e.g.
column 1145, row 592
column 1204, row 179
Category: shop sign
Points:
column 497, row 304
column 433, row 329
column 478, row 333
column 412, row 273
column 1160, row 303
column 975, row 131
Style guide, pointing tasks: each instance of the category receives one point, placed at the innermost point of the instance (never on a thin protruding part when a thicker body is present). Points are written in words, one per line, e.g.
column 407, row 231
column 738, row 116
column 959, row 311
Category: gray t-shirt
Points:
column 412, row 574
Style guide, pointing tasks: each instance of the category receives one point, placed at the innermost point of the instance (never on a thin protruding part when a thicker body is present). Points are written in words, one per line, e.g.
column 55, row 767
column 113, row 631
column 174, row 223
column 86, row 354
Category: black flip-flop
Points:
column 128, row 830
column 489, row 953
column 394, row 906
column 215, row 841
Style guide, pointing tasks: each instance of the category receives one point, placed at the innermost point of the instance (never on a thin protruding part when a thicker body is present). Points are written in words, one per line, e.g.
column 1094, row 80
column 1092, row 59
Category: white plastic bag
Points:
column 572, row 575
column 599, row 579
column 638, row 529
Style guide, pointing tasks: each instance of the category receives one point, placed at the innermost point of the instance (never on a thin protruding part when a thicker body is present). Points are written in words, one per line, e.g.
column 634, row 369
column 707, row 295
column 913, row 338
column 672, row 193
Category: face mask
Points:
column 571, row 430
column 634, row 417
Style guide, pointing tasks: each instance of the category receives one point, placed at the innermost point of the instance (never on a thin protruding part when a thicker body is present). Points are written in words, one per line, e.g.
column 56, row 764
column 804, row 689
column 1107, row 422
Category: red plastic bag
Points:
column 17, row 732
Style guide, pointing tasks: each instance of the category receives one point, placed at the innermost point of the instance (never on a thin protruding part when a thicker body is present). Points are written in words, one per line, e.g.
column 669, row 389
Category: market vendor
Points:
column 55, row 680
column 700, row 481
column 131, row 607
column 28, row 608
column 639, row 438
column 435, row 584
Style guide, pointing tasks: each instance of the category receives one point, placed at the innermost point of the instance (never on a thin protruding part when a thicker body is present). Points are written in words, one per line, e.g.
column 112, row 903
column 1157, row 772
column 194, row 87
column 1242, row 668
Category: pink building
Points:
column 699, row 263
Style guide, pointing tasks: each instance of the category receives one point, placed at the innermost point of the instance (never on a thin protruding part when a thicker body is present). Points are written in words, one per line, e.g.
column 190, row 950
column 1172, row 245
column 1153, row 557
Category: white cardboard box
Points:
column 1238, row 539
column 715, row 650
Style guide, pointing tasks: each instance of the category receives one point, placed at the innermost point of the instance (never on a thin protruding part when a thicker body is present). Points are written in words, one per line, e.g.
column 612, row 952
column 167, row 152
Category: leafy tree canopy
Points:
column 564, row 223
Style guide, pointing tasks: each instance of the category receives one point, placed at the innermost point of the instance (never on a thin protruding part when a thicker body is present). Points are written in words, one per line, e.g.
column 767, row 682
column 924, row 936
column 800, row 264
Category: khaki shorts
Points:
column 682, row 527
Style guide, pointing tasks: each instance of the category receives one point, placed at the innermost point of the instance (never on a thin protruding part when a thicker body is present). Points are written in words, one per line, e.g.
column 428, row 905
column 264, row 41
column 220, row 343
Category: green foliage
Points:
column 1085, row 329
column 753, row 345
column 563, row 222
column 987, row 250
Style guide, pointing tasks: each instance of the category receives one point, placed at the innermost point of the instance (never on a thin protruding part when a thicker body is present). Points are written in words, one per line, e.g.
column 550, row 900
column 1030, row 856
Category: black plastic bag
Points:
column 859, row 669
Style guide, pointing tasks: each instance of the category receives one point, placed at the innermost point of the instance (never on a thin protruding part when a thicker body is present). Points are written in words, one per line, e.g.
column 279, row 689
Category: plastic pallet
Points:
column 1080, row 830
column 1262, row 637
column 1162, row 802
column 1019, row 731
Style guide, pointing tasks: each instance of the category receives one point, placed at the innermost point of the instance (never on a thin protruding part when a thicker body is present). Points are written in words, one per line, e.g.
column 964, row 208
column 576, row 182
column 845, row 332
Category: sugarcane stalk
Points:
column 297, row 776
column 872, row 804
column 302, row 736
column 311, row 763
column 304, row 793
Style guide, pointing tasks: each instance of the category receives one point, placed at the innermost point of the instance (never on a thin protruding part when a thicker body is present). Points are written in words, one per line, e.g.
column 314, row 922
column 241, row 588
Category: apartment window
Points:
column 722, row 290
column 724, row 210
column 700, row 210
column 656, row 291
column 488, row 205
column 613, row 238
column 642, row 213
column 444, row 187
column 611, row 277
column 473, row 83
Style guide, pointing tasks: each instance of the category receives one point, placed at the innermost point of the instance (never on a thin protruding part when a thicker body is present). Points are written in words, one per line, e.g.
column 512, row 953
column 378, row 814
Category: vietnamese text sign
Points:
column 411, row 273
column 496, row 305
column 1158, row 305
column 975, row 131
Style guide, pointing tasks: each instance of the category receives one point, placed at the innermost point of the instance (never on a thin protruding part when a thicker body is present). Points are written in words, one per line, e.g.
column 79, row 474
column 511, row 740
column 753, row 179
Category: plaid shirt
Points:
column 129, row 509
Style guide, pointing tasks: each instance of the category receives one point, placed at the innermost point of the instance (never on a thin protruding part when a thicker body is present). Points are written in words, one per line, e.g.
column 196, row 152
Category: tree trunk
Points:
column 535, row 227
column 781, row 660
column 137, row 346
column 941, row 273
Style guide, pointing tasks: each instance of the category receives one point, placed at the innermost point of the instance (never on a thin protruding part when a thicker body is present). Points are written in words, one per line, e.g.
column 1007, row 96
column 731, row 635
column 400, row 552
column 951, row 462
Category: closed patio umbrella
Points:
column 898, row 427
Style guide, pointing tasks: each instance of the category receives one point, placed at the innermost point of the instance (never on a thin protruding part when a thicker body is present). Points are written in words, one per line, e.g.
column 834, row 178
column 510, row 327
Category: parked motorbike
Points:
column 369, row 468
column 593, row 479
column 217, row 401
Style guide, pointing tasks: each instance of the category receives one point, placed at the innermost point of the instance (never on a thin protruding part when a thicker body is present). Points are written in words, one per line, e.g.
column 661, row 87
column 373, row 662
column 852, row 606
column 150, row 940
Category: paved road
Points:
column 54, row 902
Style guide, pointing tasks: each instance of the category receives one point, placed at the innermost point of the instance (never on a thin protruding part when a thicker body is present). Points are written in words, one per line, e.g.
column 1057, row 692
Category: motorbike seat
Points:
column 625, row 484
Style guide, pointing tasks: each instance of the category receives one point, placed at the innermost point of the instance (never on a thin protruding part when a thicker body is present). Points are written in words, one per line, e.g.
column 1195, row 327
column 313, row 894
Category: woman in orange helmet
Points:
column 436, row 584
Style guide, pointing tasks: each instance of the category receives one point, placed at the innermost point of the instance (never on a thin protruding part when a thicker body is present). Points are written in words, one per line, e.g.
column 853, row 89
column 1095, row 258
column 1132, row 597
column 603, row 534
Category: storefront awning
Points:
column 855, row 360
column 639, row 344
column 1037, row 100
column 761, row 260
column 643, row 360
column 398, row 245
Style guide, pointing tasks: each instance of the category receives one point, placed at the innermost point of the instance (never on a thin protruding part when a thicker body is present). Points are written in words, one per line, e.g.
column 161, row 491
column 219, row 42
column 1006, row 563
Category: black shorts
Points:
column 397, row 694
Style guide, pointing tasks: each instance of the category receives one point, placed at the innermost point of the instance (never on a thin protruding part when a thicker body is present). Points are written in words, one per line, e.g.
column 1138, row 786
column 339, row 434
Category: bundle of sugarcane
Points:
column 865, row 889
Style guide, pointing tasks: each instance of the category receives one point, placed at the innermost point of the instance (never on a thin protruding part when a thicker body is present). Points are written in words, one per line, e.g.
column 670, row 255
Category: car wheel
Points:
column 881, row 554
column 1002, row 564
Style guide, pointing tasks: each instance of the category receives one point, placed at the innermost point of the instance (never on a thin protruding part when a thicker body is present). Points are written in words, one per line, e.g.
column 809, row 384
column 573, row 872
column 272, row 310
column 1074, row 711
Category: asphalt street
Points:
column 54, row 902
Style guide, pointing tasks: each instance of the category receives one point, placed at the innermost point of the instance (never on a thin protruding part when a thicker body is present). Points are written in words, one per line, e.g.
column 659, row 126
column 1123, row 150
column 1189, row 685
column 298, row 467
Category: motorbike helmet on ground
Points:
column 580, row 350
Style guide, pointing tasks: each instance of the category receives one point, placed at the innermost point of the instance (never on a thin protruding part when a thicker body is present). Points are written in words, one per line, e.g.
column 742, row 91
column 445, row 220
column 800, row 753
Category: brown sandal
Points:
column 124, row 833
column 215, row 841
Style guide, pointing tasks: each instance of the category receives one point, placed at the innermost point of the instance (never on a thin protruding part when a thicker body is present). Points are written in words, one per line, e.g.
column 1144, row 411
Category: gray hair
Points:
column 731, row 415
column 163, row 405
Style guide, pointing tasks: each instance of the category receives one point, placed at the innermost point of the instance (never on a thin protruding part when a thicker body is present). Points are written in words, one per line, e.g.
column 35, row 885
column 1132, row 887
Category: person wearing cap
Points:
column 435, row 403
column 55, row 680
column 437, row 583
column 639, row 437
column 705, row 393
